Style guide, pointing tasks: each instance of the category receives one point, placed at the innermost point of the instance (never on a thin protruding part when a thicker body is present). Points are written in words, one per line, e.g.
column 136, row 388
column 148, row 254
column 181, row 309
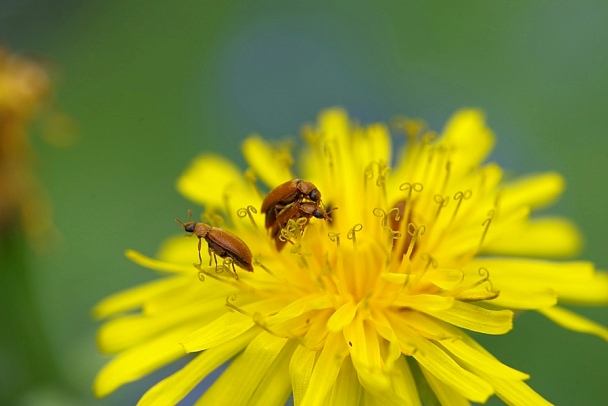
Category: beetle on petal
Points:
column 220, row 243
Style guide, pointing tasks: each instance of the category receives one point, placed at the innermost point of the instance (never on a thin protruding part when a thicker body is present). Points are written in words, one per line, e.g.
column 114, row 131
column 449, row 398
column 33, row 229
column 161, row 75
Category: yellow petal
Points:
column 342, row 317
column 438, row 362
column 589, row 292
column 209, row 295
column 373, row 144
column 449, row 372
column 425, row 302
column 271, row 164
column 248, row 369
column 180, row 249
column 517, row 393
column 472, row 140
column 171, row 390
column 300, row 371
column 475, row 318
column 513, row 392
column 210, row 178
column 544, row 237
column 127, row 331
column 489, row 364
column 157, row 265
column 275, row 387
column 575, row 282
column 458, row 344
column 141, row 360
column 574, row 322
column 537, row 272
column 222, row 329
column 534, row 191
column 364, row 346
column 325, row 371
column 403, row 382
column 445, row 394
column 135, row 297
column 444, row 278
column 300, row 306
column 523, row 296
column 347, row 390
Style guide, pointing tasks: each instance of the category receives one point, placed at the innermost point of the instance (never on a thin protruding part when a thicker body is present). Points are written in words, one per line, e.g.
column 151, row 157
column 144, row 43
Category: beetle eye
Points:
column 190, row 227
column 318, row 214
column 314, row 195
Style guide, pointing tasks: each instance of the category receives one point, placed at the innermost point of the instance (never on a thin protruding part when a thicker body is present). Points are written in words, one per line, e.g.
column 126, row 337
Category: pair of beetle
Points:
column 291, row 200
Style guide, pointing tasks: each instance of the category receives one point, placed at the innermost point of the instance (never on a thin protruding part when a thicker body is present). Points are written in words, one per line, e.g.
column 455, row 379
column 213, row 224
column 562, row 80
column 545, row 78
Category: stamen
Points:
column 414, row 232
column 352, row 233
column 327, row 151
column 368, row 173
column 226, row 195
column 393, row 235
column 412, row 128
column 252, row 179
column 459, row 197
column 257, row 262
column 430, row 262
column 448, row 167
column 407, row 203
column 232, row 298
column 383, row 170
column 257, row 318
column 242, row 212
column 203, row 272
column 477, row 296
column 227, row 263
column 294, row 230
column 442, row 202
column 207, row 272
column 213, row 219
column 310, row 136
column 409, row 188
column 379, row 212
column 485, row 274
column 428, row 138
column 283, row 154
column 334, row 237
column 486, row 223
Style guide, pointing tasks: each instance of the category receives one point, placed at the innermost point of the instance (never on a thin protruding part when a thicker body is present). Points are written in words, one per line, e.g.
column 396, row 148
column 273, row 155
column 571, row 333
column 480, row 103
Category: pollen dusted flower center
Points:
column 361, row 303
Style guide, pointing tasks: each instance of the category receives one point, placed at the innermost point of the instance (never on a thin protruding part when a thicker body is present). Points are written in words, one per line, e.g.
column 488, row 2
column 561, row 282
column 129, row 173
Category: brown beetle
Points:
column 221, row 243
column 295, row 211
column 295, row 190
column 287, row 193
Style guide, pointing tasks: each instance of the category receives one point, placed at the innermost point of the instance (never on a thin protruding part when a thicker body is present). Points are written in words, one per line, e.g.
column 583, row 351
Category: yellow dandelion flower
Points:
column 359, row 307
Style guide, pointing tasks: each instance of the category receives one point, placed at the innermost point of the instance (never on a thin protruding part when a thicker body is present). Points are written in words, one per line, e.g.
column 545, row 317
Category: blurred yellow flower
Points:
column 24, row 89
column 360, row 309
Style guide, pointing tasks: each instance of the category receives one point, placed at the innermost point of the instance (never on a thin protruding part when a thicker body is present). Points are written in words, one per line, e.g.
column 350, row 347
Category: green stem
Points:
column 26, row 358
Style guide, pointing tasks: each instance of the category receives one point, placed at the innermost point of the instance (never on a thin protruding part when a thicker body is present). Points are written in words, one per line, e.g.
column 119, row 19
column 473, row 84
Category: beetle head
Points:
column 188, row 226
column 315, row 195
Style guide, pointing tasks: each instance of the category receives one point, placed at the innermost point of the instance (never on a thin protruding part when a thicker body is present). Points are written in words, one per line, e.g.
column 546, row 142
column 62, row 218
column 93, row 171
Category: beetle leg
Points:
column 210, row 255
column 215, row 258
column 199, row 252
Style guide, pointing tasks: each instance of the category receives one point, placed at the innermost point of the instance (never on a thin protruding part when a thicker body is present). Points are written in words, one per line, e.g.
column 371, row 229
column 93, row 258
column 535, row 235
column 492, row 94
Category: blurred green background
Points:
column 150, row 84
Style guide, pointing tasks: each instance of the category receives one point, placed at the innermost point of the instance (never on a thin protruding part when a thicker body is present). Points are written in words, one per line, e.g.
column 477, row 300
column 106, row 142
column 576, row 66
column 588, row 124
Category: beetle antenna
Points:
column 181, row 222
column 327, row 217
